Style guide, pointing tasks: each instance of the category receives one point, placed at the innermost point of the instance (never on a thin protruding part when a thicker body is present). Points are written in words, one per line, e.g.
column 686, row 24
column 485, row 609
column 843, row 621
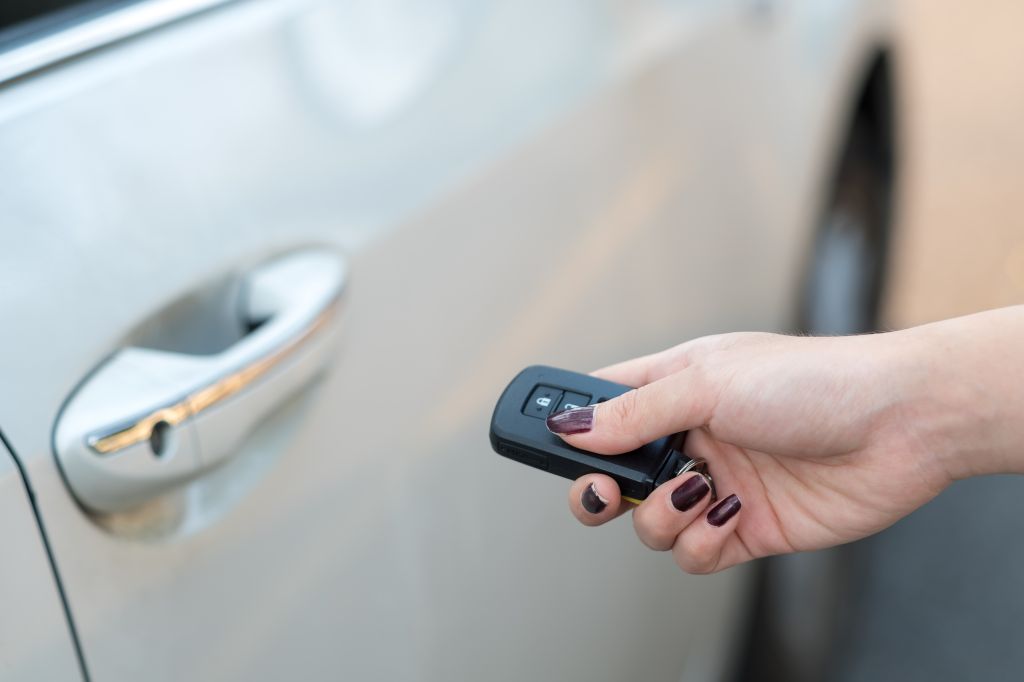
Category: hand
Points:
column 812, row 442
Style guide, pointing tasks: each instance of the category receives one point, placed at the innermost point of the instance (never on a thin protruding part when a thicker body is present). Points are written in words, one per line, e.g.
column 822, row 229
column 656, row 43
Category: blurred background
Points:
column 958, row 247
column 470, row 188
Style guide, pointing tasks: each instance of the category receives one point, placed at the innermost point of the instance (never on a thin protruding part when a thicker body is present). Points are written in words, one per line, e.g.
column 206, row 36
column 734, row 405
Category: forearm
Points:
column 964, row 390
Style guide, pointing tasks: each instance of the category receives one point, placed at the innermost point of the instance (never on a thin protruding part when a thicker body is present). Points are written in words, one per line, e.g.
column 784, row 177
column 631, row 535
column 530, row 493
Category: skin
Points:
column 824, row 440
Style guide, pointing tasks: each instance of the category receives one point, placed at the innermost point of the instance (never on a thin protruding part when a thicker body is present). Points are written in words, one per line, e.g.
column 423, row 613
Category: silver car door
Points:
column 493, row 183
column 36, row 640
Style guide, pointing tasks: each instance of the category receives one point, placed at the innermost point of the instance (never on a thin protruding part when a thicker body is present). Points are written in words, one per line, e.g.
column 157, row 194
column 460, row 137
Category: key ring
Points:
column 700, row 466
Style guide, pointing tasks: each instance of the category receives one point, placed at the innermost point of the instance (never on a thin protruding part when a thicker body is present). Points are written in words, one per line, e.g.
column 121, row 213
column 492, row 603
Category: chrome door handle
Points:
column 149, row 420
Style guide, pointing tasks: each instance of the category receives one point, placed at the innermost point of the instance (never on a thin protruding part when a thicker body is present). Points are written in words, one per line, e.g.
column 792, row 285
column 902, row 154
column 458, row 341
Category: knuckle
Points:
column 625, row 417
column 650, row 532
column 624, row 409
column 621, row 418
column 695, row 555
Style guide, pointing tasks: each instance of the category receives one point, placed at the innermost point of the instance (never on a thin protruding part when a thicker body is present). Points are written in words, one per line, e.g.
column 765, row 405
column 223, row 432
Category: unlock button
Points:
column 542, row 401
column 572, row 400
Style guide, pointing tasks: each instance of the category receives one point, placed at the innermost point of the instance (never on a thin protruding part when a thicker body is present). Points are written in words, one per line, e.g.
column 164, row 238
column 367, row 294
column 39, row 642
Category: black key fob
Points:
column 519, row 432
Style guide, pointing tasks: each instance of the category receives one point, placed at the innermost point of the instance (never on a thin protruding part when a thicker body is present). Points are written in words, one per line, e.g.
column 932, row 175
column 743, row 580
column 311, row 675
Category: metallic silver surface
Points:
column 511, row 182
column 114, row 439
column 92, row 33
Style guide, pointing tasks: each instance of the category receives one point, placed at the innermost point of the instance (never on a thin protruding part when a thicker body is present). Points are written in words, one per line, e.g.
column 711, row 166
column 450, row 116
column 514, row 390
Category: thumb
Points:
column 674, row 403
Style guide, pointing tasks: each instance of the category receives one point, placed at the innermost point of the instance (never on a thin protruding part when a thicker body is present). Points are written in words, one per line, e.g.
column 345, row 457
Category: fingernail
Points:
column 692, row 491
column 724, row 510
column 592, row 501
column 576, row 420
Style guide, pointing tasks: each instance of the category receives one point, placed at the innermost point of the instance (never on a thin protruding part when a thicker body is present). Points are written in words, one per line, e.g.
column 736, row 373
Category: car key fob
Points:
column 519, row 431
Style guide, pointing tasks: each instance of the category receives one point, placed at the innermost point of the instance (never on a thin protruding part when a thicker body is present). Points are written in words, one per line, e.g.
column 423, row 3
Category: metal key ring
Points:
column 700, row 466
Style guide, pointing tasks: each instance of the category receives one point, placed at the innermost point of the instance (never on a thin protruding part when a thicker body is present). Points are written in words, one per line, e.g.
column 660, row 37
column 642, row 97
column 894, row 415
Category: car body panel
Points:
column 573, row 205
column 36, row 640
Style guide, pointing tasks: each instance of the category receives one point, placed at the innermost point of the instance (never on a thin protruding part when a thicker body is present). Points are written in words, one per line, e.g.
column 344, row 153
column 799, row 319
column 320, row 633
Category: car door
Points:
column 37, row 641
column 266, row 268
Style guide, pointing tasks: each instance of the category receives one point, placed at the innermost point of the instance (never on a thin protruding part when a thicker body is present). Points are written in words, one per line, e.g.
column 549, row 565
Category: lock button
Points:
column 542, row 401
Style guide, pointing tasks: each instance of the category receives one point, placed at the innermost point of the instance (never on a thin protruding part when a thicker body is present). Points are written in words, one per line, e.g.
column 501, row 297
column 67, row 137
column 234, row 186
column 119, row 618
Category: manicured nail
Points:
column 724, row 510
column 592, row 500
column 576, row 420
column 692, row 491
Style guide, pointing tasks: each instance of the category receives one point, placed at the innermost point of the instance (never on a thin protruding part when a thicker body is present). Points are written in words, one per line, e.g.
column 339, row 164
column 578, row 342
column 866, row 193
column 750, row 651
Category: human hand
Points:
column 822, row 440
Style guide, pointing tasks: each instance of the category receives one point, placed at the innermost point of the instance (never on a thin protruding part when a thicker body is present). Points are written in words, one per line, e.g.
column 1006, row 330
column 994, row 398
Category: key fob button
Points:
column 518, row 433
column 571, row 400
column 542, row 402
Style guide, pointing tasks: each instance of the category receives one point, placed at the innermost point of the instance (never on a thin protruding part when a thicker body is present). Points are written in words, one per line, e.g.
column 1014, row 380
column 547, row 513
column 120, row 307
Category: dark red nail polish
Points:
column 568, row 422
column 592, row 501
column 692, row 491
column 724, row 510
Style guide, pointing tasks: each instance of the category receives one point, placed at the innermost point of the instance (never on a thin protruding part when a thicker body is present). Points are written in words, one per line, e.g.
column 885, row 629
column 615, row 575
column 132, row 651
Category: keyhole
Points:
column 160, row 438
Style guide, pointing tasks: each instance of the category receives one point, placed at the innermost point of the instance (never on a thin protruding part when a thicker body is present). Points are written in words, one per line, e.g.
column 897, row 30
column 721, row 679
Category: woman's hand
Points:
column 812, row 442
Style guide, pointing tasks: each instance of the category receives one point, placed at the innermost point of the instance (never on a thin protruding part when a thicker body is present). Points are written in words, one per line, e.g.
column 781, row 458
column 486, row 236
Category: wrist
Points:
column 961, row 386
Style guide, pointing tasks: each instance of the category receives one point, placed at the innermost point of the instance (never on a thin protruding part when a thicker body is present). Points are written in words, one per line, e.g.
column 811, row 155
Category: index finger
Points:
column 645, row 369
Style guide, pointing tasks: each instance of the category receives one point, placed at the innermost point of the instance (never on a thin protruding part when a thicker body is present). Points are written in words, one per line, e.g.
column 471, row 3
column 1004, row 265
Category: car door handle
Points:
column 148, row 420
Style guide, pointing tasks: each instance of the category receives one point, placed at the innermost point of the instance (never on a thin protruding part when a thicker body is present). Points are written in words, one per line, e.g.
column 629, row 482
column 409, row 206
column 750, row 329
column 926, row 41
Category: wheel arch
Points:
column 869, row 112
